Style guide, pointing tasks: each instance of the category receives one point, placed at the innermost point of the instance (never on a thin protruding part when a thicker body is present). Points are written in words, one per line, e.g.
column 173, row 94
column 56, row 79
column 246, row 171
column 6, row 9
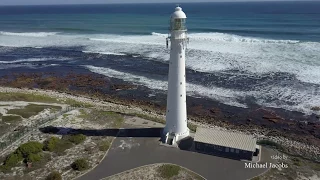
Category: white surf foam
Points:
column 301, row 100
column 33, row 60
column 29, row 34
column 25, row 65
column 223, row 95
column 106, row 53
column 207, row 52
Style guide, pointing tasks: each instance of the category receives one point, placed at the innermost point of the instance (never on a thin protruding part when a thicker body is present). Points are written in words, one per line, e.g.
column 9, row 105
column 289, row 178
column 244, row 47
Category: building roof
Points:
column 226, row 139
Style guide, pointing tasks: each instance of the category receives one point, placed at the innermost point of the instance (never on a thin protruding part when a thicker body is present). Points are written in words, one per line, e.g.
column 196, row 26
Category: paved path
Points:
column 127, row 153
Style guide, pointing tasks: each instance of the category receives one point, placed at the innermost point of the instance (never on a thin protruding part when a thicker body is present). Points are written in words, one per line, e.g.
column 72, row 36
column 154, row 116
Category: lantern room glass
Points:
column 178, row 24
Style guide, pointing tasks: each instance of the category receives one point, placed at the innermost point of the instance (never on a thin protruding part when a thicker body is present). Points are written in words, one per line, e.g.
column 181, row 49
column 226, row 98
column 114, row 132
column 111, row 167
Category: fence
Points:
column 23, row 130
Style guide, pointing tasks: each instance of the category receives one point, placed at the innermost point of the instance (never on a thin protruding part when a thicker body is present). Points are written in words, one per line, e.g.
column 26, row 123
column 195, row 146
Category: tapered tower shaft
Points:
column 176, row 114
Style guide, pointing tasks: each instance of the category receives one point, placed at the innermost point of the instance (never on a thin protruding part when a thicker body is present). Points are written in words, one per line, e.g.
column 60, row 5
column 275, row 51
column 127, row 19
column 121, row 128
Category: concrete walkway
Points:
column 127, row 153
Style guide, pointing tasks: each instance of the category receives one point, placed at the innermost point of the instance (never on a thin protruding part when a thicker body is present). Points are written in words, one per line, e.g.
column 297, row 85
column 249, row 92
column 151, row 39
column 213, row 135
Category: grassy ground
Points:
column 31, row 110
column 104, row 145
column 113, row 119
column 15, row 96
column 26, row 97
column 75, row 103
column 168, row 171
column 11, row 119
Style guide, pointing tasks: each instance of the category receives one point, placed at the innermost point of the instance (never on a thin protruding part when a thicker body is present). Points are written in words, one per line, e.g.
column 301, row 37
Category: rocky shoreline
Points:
column 299, row 133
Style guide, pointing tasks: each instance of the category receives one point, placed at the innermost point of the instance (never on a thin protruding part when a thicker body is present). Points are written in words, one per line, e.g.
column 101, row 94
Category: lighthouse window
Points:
column 180, row 56
column 180, row 95
column 178, row 24
column 180, row 83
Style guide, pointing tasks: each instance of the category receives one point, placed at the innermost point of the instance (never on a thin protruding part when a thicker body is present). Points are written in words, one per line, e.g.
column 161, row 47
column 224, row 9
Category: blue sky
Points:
column 36, row 2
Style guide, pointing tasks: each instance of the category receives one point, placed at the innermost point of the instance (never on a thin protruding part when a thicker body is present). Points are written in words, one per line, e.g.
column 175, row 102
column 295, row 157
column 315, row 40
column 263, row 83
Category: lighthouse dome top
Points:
column 178, row 14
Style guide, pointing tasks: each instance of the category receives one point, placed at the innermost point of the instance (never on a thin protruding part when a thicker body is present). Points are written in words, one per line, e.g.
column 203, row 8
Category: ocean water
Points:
column 239, row 53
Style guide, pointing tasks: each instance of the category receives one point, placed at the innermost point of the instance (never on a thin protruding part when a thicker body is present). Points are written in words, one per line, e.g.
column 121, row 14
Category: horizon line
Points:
column 127, row 3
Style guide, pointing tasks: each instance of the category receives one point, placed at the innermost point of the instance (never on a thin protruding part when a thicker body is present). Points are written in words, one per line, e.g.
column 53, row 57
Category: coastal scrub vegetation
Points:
column 31, row 110
column 28, row 148
column 11, row 118
column 83, row 114
column 50, row 144
column 29, row 151
column 54, row 175
column 16, row 96
column 80, row 165
column 104, row 145
column 115, row 117
column 76, row 138
column 75, row 103
column 168, row 170
column 192, row 127
column 57, row 145
column 33, row 158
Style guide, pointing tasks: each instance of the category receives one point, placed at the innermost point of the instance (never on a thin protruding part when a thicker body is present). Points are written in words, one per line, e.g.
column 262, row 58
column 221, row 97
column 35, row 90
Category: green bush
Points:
column 54, row 176
column 104, row 145
column 44, row 159
column 54, row 144
column 61, row 146
column 50, row 144
column 192, row 127
column 28, row 148
column 13, row 159
column 80, row 165
column 168, row 170
column 76, row 139
column 4, row 168
column 33, row 158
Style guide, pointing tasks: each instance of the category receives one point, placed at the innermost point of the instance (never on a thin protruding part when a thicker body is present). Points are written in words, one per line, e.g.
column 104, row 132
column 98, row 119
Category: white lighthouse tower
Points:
column 176, row 116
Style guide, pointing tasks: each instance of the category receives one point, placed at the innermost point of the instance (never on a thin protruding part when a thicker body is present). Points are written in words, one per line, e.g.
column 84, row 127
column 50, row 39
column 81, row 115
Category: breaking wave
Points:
column 32, row 60
column 29, row 34
column 230, row 38
column 223, row 95
column 209, row 53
